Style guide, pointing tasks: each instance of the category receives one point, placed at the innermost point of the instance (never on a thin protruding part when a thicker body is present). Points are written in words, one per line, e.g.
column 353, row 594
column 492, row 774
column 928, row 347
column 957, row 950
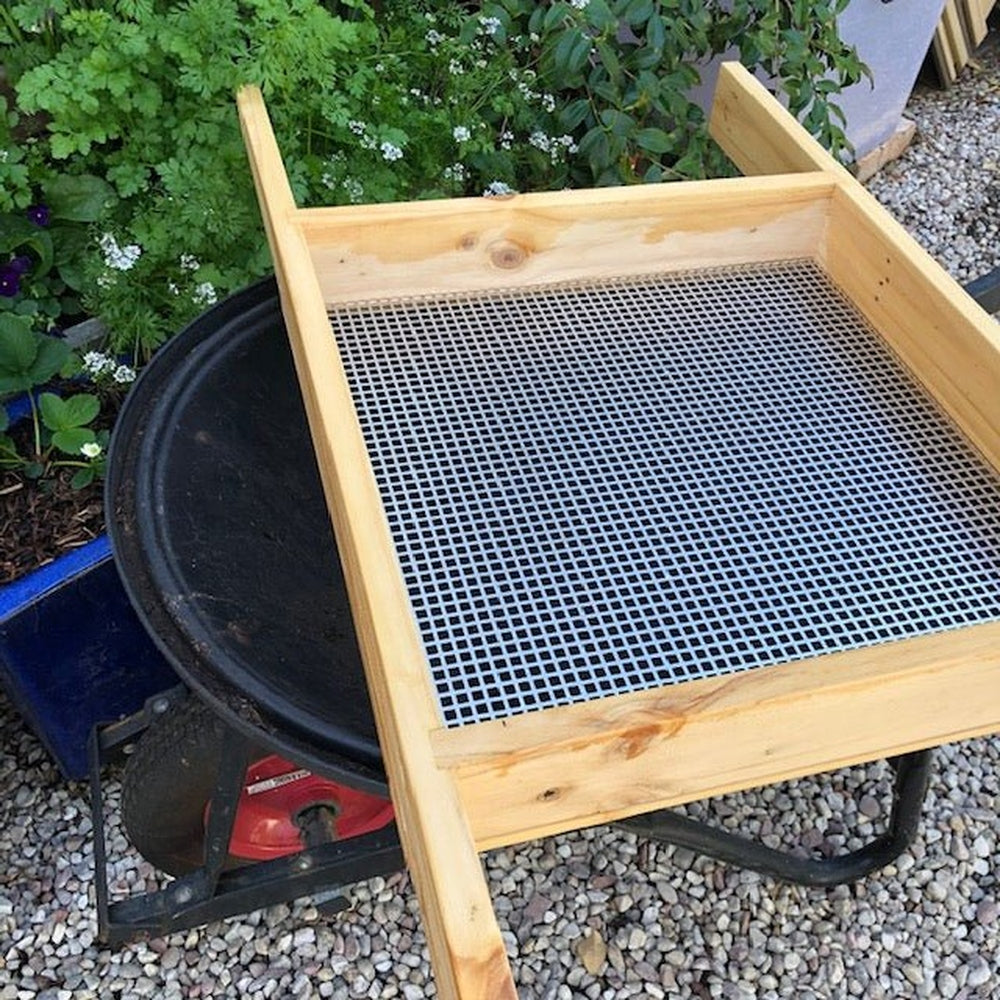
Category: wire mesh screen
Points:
column 607, row 488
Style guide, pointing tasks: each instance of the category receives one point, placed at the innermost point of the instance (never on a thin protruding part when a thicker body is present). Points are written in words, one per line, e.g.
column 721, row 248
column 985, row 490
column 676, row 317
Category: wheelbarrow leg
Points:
column 986, row 290
column 910, row 787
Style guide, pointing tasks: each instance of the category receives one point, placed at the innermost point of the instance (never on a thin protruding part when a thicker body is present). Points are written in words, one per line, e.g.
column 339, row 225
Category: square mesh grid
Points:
column 602, row 489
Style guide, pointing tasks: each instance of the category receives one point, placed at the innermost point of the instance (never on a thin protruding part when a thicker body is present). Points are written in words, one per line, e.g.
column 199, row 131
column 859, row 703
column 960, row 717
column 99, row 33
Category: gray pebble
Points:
column 978, row 972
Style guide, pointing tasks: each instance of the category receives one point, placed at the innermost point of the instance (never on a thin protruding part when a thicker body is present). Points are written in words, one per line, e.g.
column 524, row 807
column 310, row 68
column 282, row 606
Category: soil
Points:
column 42, row 519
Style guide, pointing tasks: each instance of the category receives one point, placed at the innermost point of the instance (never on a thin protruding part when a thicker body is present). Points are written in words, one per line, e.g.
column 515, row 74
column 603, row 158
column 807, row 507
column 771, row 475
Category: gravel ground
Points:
column 596, row 913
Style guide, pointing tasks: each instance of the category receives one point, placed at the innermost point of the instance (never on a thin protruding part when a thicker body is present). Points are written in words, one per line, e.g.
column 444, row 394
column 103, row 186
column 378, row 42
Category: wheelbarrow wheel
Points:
column 167, row 785
column 170, row 780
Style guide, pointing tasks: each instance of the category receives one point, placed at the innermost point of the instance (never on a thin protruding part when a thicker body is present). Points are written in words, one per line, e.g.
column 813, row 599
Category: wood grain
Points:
column 759, row 135
column 469, row 956
column 949, row 343
column 469, row 244
column 545, row 772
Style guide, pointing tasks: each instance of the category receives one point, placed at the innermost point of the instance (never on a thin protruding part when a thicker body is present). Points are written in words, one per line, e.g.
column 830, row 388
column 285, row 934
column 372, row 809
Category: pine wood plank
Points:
column 972, row 14
column 469, row 956
column 955, row 35
column 948, row 342
column 542, row 773
column 944, row 59
column 758, row 134
column 437, row 247
column 938, row 331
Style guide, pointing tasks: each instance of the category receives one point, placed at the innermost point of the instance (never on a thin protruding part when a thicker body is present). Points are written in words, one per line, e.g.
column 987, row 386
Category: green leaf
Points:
column 570, row 54
column 82, row 408
column 599, row 15
column 553, row 16
column 82, row 198
column 656, row 34
column 52, row 355
column 653, row 140
column 574, row 113
column 15, row 383
column 73, row 439
column 611, row 62
column 53, row 410
column 68, row 414
column 596, row 148
column 82, row 477
column 20, row 234
column 4, row 419
column 18, row 346
column 637, row 11
column 63, row 146
column 617, row 121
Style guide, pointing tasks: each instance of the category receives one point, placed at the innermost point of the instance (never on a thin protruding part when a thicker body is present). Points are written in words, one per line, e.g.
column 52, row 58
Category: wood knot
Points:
column 549, row 795
column 468, row 242
column 507, row 255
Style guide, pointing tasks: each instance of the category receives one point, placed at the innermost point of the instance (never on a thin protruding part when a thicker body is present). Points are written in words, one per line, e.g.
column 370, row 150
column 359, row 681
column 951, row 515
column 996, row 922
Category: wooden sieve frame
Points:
column 458, row 791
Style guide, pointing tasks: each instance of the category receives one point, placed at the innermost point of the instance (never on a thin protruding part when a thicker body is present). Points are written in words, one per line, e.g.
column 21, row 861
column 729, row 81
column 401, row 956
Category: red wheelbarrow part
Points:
column 170, row 779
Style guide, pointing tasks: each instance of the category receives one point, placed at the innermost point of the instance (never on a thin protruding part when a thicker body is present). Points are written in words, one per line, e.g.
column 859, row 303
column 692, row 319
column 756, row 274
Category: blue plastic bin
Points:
column 72, row 651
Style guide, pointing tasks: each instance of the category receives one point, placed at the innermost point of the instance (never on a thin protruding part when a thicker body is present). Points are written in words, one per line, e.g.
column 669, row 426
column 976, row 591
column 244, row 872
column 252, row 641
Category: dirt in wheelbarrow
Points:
column 41, row 519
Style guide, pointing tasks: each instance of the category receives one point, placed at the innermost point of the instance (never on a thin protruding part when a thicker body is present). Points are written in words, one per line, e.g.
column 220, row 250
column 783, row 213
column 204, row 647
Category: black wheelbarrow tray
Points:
column 642, row 495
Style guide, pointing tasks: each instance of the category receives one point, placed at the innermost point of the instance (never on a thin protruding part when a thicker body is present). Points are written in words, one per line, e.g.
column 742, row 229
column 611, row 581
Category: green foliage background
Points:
column 123, row 110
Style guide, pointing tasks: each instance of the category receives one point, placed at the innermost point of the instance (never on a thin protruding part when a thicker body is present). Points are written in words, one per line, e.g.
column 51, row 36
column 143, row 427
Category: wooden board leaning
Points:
column 463, row 787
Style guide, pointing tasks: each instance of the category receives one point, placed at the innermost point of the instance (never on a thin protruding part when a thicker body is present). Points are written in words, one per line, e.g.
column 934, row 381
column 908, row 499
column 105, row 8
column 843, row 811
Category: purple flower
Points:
column 39, row 215
column 10, row 281
column 20, row 265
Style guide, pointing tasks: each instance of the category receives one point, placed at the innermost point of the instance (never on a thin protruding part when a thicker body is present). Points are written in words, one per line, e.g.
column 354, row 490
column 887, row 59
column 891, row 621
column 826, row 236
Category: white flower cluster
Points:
column 497, row 189
column 118, row 257
column 525, row 91
column 90, row 450
column 579, row 4
column 390, row 152
column 461, row 133
column 434, row 37
column 354, row 188
column 205, row 294
column 456, row 172
column 97, row 365
column 489, row 26
column 189, row 262
column 555, row 146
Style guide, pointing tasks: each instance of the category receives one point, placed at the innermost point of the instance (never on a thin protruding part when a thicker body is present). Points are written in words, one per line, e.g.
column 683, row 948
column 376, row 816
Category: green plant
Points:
column 621, row 72
column 60, row 433
column 43, row 249
column 405, row 99
column 141, row 92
